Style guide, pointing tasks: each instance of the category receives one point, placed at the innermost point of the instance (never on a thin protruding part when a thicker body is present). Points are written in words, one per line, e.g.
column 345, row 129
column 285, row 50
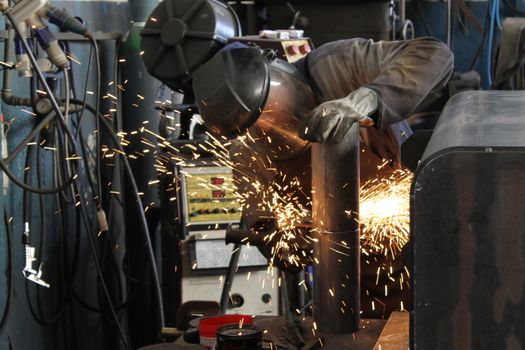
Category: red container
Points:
column 208, row 327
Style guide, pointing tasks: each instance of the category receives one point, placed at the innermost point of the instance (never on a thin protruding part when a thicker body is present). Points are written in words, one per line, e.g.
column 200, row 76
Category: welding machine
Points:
column 209, row 204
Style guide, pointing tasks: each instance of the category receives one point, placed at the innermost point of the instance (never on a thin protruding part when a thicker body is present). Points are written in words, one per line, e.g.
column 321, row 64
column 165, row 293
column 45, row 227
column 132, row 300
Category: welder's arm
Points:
column 410, row 72
column 332, row 120
column 402, row 73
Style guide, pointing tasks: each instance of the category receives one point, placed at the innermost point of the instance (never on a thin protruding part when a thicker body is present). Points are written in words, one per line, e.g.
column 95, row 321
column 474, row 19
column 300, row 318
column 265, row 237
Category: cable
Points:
column 83, row 147
column 70, row 136
column 97, row 122
column 54, row 103
column 34, row 132
column 83, row 211
column 9, row 267
column 98, row 268
column 84, row 99
column 19, row 183
column 498, row 14
column 490, row 39
column 483, row 38
column 34, row 62
column 142, row 217
column 63, row 299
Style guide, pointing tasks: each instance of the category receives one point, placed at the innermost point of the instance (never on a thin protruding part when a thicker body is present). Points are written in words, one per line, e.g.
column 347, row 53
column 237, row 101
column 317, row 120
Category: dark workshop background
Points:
column 80, row 320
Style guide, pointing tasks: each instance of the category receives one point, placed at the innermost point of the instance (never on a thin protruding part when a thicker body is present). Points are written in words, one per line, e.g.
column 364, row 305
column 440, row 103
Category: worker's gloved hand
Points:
column 331, row 121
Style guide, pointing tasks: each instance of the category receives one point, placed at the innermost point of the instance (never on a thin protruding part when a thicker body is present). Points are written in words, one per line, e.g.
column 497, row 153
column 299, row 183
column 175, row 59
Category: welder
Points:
column 273, row 110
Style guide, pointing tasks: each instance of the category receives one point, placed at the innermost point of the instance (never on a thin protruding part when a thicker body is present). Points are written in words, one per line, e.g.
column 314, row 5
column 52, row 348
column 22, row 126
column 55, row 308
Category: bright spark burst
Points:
column 384, row 208
column 287, row 239
column 385, row 213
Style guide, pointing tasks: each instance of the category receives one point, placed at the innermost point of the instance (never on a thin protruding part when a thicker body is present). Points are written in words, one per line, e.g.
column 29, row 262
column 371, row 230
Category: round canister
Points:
column 239, row 337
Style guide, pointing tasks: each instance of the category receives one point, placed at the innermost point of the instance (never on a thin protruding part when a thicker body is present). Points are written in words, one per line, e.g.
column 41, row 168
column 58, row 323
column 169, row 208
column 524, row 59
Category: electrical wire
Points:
column 75, row 188
column 99, row 269
column 83, row 147
column 97, row 122
column 70, row 141
column 498, row 14
column 26, row 187
column 83, row 303
column 140, row 211
column 4, row 167
column 26, row 218
column 483, row 38
column 490, row 38
column 38, row 312
column 9, row 271
column 32, row 134
column 494, row 9
column 76, row 191
column 84, row 99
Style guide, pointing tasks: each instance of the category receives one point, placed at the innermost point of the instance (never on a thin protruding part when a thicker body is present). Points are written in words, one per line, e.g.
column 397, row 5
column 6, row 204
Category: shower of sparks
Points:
column 384, row 206
column 279, row 199
column 385, row 213
column 289, row 214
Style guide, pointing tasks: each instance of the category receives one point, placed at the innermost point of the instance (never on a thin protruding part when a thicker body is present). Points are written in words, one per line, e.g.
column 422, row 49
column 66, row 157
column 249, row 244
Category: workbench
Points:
column 373, row 335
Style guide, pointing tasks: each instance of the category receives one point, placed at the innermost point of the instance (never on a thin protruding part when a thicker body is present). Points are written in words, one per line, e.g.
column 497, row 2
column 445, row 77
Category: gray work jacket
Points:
column 405, row 74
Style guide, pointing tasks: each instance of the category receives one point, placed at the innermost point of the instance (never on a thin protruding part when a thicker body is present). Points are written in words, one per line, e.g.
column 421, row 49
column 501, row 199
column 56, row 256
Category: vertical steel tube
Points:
column 402, row 12
column 335, row 187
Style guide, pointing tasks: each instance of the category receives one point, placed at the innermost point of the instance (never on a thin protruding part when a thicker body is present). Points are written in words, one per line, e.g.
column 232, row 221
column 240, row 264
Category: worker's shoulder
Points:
column 339, row 45
column 357, row 46
column 345, row 44
column 334, row 49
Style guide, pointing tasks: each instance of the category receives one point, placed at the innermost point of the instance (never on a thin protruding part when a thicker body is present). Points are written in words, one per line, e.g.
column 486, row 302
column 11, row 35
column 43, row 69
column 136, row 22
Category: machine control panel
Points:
column 209, row 196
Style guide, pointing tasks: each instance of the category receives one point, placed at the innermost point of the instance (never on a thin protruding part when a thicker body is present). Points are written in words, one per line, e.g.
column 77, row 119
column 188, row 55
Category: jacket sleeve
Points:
column 403, row 73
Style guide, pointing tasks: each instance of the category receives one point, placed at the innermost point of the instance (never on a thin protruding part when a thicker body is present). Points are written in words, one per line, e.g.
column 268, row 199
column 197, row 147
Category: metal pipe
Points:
column 7, row 93
column 402, row 12
column 393, row 19
column 335, row 187
column 228, row 281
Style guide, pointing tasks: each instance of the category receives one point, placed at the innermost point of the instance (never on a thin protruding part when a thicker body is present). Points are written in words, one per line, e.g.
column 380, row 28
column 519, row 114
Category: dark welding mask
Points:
column 243, row 91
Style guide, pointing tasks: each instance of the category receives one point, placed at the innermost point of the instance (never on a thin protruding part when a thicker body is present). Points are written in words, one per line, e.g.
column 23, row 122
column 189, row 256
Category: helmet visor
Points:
column 275, row 133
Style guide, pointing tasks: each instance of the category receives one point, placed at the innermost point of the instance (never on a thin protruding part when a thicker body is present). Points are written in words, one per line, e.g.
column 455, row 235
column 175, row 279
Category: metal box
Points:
column 468, row 227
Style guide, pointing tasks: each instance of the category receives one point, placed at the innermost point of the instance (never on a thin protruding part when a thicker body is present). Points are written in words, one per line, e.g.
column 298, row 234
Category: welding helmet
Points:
column 244, row 90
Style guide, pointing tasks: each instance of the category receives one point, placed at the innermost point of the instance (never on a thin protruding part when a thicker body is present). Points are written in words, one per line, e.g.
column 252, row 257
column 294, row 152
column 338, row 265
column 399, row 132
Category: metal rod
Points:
column 228, row 280
column 7, row 93
column 335, row 185
column 402, row 12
